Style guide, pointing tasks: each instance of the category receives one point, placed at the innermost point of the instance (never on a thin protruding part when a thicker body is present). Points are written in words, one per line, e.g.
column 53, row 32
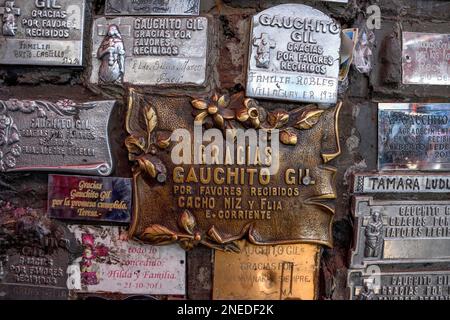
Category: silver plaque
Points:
column 152, row 7
column 42, row 32
column 62, row 136
column 294, row 55
column 400, row 183
column 414, row 136
column 374, row 284
column 150, row 50
column 400, row 231
column 426, row 58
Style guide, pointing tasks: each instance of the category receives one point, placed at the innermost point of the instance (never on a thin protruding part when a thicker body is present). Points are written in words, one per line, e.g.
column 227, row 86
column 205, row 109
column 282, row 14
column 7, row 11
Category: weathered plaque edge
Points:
column 125, row 13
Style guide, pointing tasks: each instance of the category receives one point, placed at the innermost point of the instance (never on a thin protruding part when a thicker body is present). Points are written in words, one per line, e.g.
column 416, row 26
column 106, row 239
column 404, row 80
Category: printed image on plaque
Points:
column 267, row 272
column 152, row 7
column 374, row 284
column 242, row 191
column 426, row 58
column 294, row 55
column 65, row 136
column 400, row 231
column 401, row 183
column 150, row 50
column 111, row 263
column 42, row 32
column 34, row 255
column 414, row 136
column 89, row 198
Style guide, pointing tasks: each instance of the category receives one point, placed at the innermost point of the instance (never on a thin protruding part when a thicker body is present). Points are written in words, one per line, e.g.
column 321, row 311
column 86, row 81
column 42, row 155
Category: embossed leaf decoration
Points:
column 278, row 118
column 199, row 104
column 288, row 137
column 308, row 119
column 163, row 139
column 186, row 221
column 147, row 166
column 214, row 235
column 134, row 145
column 158, row 234
column 150, row 118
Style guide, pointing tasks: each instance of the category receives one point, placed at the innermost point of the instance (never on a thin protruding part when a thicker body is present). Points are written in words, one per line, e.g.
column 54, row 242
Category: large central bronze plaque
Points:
column 218, row 203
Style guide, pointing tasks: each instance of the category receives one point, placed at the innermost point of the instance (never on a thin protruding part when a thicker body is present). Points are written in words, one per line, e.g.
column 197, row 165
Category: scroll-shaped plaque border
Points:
column 43, row 109
column 148, row 142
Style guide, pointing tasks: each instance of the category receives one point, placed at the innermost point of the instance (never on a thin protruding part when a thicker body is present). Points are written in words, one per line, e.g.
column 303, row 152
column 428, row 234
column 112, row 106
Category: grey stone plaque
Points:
column 62, row 136
column 426, row 58
column 42, row 32
column 400, row 231
column 152, row 7
column 400, row 183
column 414, row 136
column 150, row 50
column 294, row 55
column 373, row 284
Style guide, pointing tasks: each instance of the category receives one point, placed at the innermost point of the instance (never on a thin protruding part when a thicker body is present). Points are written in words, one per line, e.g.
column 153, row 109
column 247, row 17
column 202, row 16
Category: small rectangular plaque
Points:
column 89, row 198
column 401, row 183
column 152, row 7
column 378, row 285
column 42, row 32
column 401, row 231
column 414, row 136
column 150, row 50
column 112, row 263
column 294, row 55
column 267, row 272
column 426, row 58
column 62, row 136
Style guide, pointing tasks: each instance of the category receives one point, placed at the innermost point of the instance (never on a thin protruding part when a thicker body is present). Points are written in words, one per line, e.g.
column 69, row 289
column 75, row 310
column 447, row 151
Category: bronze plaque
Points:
column 267, row 272
column 271, row 194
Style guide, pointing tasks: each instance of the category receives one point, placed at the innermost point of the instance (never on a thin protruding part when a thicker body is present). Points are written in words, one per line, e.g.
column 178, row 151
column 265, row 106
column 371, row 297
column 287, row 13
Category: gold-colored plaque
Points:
column 267, row 272
column 192, row 201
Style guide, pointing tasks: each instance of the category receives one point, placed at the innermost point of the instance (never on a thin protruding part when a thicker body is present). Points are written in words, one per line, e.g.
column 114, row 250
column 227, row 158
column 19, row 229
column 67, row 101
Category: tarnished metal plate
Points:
column 152, row 7
column 400, row 231
column 55, row 136
column 112, row 263
column 194, row 201
column 401, row 183
column 42, row 32
column 89, row 198
column 34, row 255
column 426, row 58
column 374, row 284
column 294, row 55
column 267, row 272
column 413, row 136
column 150, row 50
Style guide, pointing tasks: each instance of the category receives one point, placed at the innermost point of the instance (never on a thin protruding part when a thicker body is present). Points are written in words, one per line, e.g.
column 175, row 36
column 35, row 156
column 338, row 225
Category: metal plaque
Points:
column 267, row 272
column 42, row 32
column 294, row 55
column 111, row 263
column 150, row 50
column 62, row 136
column 192, row 200
column 426, row 58
column 400, row 231
column 89, row 198
column 421, row 285
column 401, row 183
column 152, row 7
column 413, row 136
column 34, row 255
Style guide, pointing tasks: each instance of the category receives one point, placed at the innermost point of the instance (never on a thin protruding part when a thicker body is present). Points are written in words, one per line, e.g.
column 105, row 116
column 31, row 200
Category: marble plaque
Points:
column 42, row 32
column 150, row 50
column 294, row 55
column 426, row 58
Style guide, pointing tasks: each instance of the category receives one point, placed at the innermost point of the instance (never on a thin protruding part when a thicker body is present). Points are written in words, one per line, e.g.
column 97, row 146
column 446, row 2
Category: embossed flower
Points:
column 213, row 111
column 5, row 121
column 10, row 161
column 66, row 103
column 16, row 150
column 250, row 113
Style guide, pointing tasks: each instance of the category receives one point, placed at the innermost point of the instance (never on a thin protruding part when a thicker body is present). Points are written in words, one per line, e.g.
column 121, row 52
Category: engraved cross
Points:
column 9, row 12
